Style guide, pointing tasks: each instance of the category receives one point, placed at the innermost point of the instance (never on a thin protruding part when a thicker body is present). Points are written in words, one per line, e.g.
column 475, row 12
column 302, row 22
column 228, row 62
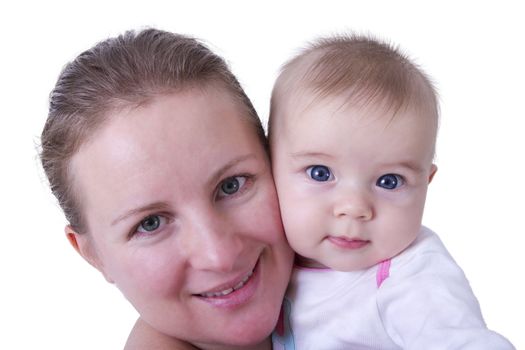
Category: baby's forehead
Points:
column 307, row 115
column 337, row 128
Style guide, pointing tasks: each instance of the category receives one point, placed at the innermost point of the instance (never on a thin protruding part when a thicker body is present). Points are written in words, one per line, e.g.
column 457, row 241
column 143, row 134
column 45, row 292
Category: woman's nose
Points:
column 353, row 204
column 214, row 244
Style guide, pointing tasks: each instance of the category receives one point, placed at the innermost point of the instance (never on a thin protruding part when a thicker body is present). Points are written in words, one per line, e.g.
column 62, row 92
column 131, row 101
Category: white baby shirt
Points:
column 417, row 300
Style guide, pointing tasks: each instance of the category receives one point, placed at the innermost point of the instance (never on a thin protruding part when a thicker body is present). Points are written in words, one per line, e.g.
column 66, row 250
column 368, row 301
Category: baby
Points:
column 352, row 134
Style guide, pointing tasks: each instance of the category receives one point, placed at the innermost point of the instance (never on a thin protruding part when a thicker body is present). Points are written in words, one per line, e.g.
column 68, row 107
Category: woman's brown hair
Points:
column 125, row 71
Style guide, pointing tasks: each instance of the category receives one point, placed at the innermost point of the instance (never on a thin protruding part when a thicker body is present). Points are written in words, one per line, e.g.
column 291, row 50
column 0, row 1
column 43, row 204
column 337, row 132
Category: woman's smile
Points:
column 237, row 293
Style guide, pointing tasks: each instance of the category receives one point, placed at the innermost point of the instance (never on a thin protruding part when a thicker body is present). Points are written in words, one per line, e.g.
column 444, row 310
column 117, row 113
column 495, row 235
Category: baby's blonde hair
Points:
column 362, row 68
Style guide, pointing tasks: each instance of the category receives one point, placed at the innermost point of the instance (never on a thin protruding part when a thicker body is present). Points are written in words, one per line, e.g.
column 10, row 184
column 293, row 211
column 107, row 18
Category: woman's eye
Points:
column 390, row 181
column 231, row 186
column 151, row 223
column 319, row 173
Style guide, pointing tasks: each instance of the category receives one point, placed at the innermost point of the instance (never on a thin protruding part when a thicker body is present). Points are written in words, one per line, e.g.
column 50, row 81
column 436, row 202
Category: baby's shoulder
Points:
column 426, row 242
column 426, row 253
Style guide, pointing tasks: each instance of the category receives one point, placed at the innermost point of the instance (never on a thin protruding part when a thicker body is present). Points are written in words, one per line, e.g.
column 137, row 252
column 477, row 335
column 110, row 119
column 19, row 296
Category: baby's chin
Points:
column 349, row 264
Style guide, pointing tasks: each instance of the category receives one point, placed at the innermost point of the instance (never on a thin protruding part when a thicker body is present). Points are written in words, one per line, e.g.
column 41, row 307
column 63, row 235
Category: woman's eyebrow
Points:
column 232, row 163
column 156, row 206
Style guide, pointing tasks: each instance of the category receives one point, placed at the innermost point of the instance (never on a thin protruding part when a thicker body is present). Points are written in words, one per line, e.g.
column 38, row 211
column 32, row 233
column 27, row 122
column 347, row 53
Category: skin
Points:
column 143, row 336
column 340, row 215
column 180, row 205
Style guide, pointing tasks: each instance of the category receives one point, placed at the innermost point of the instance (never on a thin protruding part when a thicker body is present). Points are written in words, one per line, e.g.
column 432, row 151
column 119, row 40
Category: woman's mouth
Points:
column 234, row 293
column 228, row 290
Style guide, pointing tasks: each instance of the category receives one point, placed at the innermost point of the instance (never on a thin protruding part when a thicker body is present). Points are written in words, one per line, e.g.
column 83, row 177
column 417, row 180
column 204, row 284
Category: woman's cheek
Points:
column 261, row 215
column 150, row 271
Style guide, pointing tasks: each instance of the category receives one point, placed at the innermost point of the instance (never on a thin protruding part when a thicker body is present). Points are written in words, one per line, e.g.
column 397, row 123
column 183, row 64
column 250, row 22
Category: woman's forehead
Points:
column 180, row 136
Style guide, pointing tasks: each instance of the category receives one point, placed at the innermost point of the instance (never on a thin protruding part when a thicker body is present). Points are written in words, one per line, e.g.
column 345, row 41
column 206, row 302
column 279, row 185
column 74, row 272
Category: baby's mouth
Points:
column 228, row 290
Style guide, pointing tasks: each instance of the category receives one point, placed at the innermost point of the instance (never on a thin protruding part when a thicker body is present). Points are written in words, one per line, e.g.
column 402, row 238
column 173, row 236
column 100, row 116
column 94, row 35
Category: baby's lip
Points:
column 228, row 287
column 348, row 242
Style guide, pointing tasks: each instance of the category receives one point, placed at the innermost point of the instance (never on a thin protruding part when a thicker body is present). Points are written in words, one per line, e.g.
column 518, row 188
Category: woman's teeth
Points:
column 229, row 290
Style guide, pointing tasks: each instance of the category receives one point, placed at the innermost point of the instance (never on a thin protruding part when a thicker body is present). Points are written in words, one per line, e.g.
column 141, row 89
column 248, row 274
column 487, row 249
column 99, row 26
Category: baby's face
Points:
column 351, row 181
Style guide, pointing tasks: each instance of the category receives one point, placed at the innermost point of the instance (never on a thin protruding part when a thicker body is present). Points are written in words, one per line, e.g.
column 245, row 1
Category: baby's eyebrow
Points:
column 310, row 154
column 413, row 166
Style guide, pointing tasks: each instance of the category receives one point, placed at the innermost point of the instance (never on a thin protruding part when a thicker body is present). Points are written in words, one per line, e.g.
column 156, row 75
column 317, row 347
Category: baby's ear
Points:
column 84, row 246
column 433, row 169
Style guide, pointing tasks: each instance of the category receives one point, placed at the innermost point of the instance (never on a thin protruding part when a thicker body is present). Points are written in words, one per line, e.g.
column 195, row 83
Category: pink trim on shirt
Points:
column 383, row 271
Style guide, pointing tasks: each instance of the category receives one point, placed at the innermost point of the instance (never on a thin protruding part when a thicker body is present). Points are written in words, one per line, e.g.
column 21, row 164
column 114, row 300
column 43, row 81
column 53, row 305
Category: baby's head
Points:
column 352, row 135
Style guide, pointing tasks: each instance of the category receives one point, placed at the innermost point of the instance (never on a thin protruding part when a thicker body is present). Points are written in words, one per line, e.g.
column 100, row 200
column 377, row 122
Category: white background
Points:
column 51, row 299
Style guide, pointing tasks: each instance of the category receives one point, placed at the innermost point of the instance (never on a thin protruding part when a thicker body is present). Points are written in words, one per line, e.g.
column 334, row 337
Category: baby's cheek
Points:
column 399, row 232
column 296, row 219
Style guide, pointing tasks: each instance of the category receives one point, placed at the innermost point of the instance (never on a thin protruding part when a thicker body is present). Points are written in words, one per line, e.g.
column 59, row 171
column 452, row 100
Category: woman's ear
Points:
column 84, row 246
column 433, row 170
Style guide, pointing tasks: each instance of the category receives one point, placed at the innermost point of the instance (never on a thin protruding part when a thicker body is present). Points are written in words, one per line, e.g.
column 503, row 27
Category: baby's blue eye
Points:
column 319, row 173
column 231, row 185
column 390, row 181
column 150, row 223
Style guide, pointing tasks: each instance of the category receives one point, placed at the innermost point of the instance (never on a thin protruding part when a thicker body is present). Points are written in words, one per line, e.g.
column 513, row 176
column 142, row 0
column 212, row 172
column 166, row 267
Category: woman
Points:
column 158, row 160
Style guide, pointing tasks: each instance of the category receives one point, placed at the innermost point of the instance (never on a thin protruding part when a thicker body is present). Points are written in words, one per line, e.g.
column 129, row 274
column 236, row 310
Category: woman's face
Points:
column 183, row 217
